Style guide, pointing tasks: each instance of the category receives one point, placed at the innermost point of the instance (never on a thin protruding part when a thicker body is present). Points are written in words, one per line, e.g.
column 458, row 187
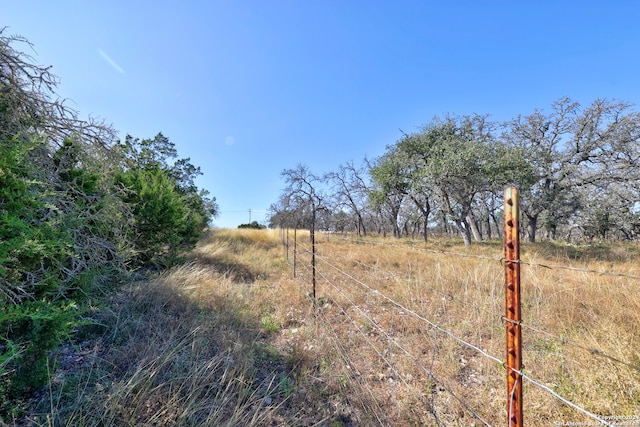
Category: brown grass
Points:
column 231, row 338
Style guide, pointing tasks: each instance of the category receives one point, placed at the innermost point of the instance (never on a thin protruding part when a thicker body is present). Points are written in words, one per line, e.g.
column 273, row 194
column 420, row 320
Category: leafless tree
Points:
column 350, row 192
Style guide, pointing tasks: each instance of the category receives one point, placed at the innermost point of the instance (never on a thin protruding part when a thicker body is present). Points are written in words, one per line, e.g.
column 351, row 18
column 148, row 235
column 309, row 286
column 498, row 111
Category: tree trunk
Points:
column 361, row 229
column 465, row 231
column 445, row 224
column 425, row 227
column 531, row 228
column 426, row 211
column 473, row 226
column 495, row 222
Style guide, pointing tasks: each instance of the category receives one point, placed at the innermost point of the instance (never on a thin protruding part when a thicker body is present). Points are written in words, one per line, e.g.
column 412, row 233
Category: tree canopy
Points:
column 577, row 168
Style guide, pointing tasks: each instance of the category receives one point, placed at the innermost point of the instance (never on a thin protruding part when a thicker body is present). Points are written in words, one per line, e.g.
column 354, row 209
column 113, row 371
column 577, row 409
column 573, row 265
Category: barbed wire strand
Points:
column 486, row 258
column 472, row 346
column 411, row 356
column 428, row 288
column 379, row 413
column 400, row 305
column 413, row 313
column 565, row 341
column 528, row 378
column 413, row 248
column 372, row 322
column 593, row 351
column 362, row 383
column 562, row 399
column 579, row 269
column 375, row 349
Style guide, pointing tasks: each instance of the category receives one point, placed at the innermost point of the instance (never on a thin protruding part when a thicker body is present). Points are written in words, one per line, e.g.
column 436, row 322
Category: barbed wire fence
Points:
column 376, row 317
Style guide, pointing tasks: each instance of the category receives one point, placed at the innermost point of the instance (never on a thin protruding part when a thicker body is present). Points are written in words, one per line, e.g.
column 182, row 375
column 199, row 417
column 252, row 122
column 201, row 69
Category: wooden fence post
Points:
column 313, row 255
column 513, row 313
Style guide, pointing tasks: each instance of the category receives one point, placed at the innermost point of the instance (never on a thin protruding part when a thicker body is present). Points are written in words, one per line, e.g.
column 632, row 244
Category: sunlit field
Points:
column 401, row 333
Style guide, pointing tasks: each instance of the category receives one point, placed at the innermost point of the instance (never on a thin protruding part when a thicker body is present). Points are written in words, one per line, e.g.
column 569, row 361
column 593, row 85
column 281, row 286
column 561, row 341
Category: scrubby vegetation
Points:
column 253, row 224
column 78, row 211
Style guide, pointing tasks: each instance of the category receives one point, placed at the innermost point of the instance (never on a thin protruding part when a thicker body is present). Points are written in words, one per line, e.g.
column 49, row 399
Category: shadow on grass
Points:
column 232, row 269
column 165, row 358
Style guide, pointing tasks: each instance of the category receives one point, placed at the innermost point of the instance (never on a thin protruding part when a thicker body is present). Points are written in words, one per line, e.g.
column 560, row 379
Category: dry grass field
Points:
column 402, row 333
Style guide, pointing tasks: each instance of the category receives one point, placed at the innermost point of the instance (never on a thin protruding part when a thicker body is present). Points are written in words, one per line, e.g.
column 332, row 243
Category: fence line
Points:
column 429, row 372
column 366, row 338
column 563, row 400
column 434, row 251
column 566, row 341
column 345, row 355
column 438, row 328
column 488, row 258
column 390, row 274
column 431, row 289
column 562, row 340
column 580, row 270
column 375, row 324
column 408, row 310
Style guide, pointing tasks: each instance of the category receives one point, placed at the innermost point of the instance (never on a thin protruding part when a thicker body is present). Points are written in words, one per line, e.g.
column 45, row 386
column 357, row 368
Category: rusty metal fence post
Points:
column 513, row 312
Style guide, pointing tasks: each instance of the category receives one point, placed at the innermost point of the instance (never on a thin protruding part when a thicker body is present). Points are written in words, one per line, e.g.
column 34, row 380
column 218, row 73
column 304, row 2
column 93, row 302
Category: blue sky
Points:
column 249, row 88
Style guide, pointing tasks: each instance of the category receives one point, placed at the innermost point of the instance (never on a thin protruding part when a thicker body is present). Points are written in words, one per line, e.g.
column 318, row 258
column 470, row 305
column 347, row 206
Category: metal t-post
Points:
column 513, row 316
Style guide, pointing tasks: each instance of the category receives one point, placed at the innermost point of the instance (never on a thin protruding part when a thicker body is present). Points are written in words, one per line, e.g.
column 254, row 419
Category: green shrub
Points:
column 73, row 208
column 168, row 211
column 35, row 243
column 159, row 215
column 254, row 225
column 49, row 215
column 29, row 332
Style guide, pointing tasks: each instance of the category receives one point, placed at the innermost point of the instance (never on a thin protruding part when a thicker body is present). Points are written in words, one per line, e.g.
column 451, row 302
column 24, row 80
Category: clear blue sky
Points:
column 249, row 88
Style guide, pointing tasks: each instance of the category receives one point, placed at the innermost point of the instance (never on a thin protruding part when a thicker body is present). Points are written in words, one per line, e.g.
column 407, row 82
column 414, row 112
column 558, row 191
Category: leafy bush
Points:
column 254, row 225
column 159, row 214
column 29, row 332
column 35, row 243
column 168, row 211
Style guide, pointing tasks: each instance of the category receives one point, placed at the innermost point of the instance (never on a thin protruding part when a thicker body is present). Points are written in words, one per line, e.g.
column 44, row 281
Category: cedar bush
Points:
column 159, row 215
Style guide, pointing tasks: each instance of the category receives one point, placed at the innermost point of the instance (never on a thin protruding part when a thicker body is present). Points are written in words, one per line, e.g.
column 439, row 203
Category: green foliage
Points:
column 29, row 332
column 91, row 213
column 168, row 211
column 254, row 225
column 35, row 243
column 160, row 215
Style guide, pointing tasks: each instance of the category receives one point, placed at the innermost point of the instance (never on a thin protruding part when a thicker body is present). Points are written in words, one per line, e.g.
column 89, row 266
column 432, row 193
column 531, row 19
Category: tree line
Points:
column 577, row 168
column 79, row 210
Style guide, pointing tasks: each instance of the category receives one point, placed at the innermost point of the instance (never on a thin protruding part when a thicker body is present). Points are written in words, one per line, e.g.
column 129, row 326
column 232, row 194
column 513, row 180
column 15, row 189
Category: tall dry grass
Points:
column 580, row 335
column 402, row 333
column 192, row 346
